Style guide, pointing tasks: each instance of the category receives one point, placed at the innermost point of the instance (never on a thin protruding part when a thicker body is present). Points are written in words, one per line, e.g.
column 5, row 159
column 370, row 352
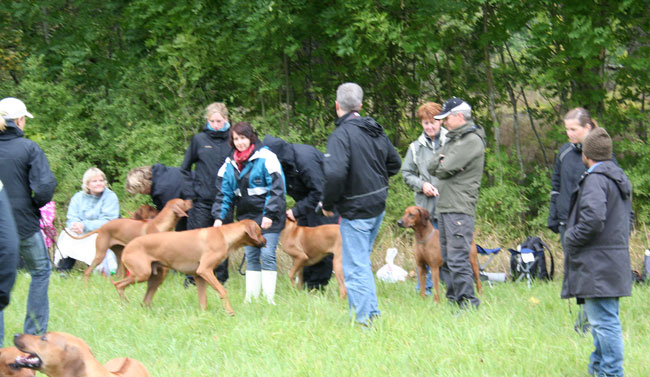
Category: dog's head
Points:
column 414, row 216
column 254, row 232
column 55, row 353
column 145, row 212
column 8, row 366
column 179, row 206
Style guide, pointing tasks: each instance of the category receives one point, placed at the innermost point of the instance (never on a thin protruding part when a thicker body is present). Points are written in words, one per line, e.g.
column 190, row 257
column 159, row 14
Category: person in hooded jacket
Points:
column 207, row 152
column 303, row 173
column 8, row 248
column 458, row 168
column 360, row 158
column 251, row 182
column 29, row 184
column 596, row 250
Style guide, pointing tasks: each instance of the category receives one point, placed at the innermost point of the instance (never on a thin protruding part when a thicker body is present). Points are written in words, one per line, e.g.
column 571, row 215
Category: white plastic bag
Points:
column 391, row 272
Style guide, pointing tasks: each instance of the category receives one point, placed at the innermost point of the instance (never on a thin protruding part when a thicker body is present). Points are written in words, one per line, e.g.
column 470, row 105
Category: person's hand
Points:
column 77, row 227
column 266, row 223
column 429, row 190
column 217, row 223
column 290, row 215
column 328, row 213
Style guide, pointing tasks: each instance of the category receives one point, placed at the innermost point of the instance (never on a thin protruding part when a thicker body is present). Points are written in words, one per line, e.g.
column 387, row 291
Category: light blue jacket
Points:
column 93, row 211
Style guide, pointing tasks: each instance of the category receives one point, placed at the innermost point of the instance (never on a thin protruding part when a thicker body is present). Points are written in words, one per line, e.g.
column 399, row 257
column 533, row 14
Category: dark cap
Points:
column 453, row 104
column 597, row 145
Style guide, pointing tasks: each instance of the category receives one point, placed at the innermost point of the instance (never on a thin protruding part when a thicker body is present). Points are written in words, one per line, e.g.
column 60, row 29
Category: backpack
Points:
column 535, row 265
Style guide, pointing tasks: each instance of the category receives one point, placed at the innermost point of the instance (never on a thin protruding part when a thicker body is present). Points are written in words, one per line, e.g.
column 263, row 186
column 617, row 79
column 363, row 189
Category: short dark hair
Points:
column 244, row 129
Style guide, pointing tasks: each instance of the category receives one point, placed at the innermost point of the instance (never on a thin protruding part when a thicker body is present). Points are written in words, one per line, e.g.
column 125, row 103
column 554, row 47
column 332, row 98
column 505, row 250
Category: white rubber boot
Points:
column 269, row 279
column 253, row 284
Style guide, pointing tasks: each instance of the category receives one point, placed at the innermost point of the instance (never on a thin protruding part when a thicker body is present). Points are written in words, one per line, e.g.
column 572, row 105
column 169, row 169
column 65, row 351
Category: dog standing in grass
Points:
column 426, row 249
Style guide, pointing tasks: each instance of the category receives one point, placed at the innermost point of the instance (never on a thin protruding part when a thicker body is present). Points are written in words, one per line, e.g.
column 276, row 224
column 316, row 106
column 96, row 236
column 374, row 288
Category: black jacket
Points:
column 303, row 173
column 207, row 151
column 596, row 242
column 166, row 184
column 27, row 177
column 8, row 249
column 359, row 160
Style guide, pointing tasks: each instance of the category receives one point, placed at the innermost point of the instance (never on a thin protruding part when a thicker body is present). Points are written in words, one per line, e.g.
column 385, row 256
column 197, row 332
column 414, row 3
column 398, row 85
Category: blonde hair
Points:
column 582, row 116
column 3, row 124
column 138, row 180
column 216, row 107
column 88, row 175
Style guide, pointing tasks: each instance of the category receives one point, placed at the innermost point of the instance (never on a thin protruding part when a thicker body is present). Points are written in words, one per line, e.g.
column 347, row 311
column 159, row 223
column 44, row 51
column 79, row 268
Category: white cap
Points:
column 13, row 108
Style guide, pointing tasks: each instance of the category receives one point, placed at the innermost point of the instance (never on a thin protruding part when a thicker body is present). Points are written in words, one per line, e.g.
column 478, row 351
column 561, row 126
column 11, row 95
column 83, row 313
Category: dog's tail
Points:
column 81, row 237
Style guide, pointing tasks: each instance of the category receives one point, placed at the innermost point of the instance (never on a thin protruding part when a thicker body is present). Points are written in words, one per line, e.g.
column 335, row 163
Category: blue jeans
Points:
column 37, row 262
column 357, row 238
column 265, row 261
column 607, row 358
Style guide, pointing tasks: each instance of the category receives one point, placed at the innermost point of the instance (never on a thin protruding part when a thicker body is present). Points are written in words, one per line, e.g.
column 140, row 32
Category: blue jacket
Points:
column 27, row 177
column 256, row 191
column 93, row 211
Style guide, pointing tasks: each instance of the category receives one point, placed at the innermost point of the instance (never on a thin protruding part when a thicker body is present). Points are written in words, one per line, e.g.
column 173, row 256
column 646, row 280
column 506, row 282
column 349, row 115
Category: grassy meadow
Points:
column 516, row 332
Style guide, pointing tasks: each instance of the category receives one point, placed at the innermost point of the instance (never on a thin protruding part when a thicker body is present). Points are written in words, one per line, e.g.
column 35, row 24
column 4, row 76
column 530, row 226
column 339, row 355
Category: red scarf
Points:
column 242, row 156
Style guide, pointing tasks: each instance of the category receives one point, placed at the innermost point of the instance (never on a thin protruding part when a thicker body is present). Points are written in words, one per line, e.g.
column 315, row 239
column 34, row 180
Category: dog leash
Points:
column 243, row 259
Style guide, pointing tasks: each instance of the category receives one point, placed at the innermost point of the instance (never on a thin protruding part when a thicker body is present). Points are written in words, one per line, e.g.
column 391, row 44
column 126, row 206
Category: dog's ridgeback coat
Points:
column 115, row 234
column 58, row 354
column 308, row 246
column 192, row 252
column 426, row 249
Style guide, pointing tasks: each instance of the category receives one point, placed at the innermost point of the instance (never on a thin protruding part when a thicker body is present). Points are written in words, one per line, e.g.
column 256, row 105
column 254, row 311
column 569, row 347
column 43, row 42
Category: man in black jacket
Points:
column 596, row 250
column 303, row 174
column 359, row 160
column 29, row 183
column 207, row 152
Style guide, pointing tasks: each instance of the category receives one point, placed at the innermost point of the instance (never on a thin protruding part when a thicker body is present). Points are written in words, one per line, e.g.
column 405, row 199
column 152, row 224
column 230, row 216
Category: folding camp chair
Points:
column 489, row 276
column 521, row 262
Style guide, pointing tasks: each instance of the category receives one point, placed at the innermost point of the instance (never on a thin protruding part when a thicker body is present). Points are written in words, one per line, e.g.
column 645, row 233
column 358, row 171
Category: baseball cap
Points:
column 452, row 104
column 13, row 108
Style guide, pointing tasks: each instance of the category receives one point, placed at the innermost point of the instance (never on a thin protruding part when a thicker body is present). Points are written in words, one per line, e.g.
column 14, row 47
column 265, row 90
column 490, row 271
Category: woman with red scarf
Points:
column 251, row 180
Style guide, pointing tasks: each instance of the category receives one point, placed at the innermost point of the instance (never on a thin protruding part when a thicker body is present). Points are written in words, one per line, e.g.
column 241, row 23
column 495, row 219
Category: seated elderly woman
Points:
column 91, row 208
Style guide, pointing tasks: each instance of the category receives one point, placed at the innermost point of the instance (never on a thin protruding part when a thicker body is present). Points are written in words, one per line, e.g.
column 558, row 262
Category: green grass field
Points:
column 516, row 332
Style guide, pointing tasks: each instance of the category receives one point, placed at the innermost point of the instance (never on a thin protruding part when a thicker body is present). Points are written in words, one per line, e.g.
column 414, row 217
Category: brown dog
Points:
column 59, row 354
column 8, row 367
column 145, row 212
column 426, row 248
column 115, row 234
column 195, row 252
column 308, row 246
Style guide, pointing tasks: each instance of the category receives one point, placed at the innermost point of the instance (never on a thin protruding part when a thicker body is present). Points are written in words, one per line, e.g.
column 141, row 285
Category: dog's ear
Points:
column 424, row 216
column 178, row 209
column 74, row 363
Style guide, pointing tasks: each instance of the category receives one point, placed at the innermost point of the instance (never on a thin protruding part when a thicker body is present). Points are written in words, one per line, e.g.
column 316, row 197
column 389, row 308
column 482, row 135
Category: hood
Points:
column 281, row 148
column 609, row 169
column 465, row 129
column 12, row 131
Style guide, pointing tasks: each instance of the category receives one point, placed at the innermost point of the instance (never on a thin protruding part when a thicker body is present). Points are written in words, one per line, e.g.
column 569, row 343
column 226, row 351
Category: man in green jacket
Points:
column 458, row 168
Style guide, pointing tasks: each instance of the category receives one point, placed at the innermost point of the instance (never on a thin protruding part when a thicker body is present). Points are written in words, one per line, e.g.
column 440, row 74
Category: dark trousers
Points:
column 200, row 216
column 456, row 234
column 318, row 275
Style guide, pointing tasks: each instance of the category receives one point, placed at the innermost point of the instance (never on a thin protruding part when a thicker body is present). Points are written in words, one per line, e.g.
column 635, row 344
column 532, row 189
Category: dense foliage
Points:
column 118, row 83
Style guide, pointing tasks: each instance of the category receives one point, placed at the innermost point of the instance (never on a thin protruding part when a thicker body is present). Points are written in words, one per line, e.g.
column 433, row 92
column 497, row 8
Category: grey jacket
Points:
column 596, row 242
column 458, row 166
column 414, row 168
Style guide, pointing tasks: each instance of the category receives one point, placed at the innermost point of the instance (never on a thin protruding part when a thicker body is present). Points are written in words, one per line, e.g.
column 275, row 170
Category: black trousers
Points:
column 200, row 216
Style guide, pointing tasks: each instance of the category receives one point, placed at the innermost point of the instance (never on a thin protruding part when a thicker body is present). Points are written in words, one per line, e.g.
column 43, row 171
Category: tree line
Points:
column 118, row 83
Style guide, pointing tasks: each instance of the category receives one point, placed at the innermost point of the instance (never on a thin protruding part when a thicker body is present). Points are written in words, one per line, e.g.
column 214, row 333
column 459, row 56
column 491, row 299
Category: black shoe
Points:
column 189, row 280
